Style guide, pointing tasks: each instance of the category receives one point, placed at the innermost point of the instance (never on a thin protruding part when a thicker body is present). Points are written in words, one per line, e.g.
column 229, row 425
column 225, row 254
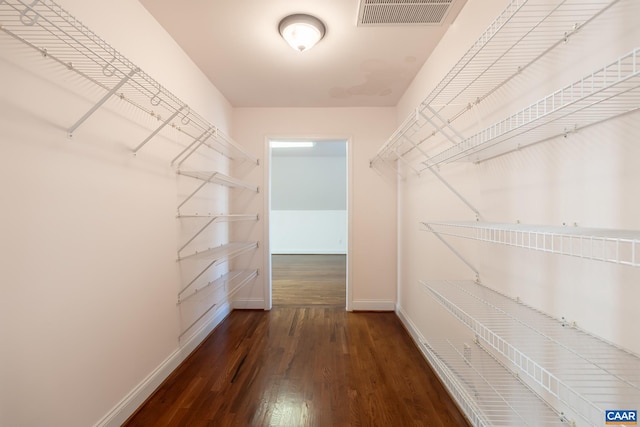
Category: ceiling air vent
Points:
column 398, row 12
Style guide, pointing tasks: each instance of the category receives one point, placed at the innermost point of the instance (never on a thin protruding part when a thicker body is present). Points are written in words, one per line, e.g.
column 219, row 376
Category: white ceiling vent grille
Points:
column 398, row 12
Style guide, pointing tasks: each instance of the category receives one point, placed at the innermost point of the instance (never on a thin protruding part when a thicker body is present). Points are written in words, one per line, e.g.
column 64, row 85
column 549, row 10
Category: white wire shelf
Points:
column 222, row 217
column 233, row 281
column 585, row 373
column 608, row 245
column 208, row 177
column 522, row 34
column 488, row 393
column 216, row 256
column 221, row 252
column 211, row 219
column 58, row 36
column 214, row 177
column 605, row 93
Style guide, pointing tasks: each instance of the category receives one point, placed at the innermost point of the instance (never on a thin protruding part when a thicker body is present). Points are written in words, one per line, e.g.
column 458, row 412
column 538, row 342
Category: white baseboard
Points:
column 373, row 305
column 136, row 397
column 417, row 337
column 248, row 304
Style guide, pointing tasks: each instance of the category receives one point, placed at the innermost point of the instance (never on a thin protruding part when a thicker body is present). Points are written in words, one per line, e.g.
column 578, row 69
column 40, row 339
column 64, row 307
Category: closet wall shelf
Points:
column 232, row 281
column 217, row 256
column 608, row 245
column 521, row 35
column 58, row 36
column 223, row 217
column 221, row 252
column 213, row 219
column 218, row 178
column 605, row 93
column 488, row 393
column 581, row 371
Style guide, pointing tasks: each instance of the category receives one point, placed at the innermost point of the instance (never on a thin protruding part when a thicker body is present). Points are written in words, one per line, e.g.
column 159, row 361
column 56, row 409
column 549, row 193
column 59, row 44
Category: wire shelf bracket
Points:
column 452, row 249
column 104, row 99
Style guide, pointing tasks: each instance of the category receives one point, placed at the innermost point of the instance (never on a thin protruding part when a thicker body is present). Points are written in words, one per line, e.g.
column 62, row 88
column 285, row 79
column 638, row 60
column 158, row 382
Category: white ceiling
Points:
column 237, row 45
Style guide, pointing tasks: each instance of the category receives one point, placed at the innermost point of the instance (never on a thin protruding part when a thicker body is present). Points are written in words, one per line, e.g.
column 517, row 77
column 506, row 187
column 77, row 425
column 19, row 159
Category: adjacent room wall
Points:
column 588, row 178
column 372, row 197
column 89, row 320
column 309, row 201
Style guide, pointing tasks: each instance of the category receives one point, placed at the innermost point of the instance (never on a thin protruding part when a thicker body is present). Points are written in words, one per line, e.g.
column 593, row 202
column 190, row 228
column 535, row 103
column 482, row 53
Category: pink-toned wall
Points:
column 372, row 197
column 89, row 321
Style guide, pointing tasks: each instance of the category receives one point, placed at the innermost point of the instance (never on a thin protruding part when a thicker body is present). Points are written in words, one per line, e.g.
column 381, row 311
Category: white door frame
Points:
column 267, row 210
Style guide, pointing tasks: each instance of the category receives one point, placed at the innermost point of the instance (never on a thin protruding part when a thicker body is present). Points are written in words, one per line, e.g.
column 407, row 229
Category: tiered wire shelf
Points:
column 605, row 93
column 232, row 282
column 586, row 374
column 110, row 81
column 608, row 245
column 211, row 219
column 488, row 393
column 58, row 36
column 522, row 34
column 208, row 177
column 216, row 256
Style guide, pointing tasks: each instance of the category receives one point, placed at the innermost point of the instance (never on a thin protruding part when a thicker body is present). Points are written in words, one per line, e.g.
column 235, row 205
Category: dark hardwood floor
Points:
column 295, row 366
column 300, row 280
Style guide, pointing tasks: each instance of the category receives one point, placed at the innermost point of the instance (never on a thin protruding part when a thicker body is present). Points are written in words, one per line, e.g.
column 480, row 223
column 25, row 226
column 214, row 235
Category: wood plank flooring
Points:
column 301, row 280
column 307, row 362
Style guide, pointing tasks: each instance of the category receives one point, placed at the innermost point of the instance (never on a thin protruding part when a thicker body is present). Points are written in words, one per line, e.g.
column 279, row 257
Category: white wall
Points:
column 88, row 278
column 309, row 202
column 589, row 178
column 308, row 231
column 372, row 198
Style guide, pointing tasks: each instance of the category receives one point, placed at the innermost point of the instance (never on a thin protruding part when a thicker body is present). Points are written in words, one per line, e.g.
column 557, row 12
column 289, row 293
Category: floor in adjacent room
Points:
column 304, row 363
column 299, row 280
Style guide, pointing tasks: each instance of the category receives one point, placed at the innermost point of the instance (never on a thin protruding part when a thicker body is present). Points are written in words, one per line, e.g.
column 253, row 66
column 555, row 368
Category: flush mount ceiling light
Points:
column 301, row 31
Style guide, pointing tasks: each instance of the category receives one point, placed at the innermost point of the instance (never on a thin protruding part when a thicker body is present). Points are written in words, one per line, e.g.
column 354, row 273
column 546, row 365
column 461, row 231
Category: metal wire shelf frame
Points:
column 59, row 36
column 605, row 93
column 607, row 245
column 234, row 280
column 216, row 256
column 502, row 400
column 214, row 177
column 522, row 34
column 582, row 371
column 214, row 219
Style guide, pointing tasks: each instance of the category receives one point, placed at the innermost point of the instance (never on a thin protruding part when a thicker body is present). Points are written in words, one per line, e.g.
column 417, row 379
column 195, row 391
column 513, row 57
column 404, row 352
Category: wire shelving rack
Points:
column 232, row 282
column 605, row 93
column 521, row 35
column 109, row 80
column 60, row 37
column 580, row 370
column 488, row 393
column 600, row 244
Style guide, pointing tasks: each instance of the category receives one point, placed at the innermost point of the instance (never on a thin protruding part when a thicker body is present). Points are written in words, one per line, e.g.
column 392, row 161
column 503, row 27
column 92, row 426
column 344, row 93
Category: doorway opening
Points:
column 308, row 222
